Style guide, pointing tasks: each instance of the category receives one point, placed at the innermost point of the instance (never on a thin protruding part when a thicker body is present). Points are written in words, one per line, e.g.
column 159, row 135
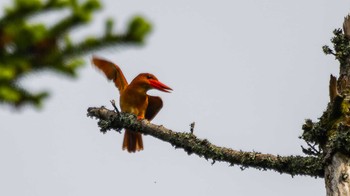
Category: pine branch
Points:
column 293, row 165
column 94, row 44
column 26, row 8
column 80, row 14
column 27, row 46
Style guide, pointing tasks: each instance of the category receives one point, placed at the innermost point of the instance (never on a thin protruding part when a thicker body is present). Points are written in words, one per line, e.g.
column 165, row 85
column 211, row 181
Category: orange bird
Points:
column 134, row 98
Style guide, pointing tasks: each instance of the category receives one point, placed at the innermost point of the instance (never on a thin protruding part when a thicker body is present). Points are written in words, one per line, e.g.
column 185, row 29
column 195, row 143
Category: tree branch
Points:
column 293, row 165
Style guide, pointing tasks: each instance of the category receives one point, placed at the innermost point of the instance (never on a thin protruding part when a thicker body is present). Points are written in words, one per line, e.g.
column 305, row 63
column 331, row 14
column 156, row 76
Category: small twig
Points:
column 192, row 127
column 313, row 148
column 115, row 107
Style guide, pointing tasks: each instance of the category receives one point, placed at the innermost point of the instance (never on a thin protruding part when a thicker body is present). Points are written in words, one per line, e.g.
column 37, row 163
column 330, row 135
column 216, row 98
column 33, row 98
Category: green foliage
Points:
column 27, row 46
column 341, row 47
column 137, row 29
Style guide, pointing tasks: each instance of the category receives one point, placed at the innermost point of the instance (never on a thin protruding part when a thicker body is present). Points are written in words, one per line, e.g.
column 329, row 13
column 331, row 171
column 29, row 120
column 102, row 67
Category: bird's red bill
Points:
column 160, row 86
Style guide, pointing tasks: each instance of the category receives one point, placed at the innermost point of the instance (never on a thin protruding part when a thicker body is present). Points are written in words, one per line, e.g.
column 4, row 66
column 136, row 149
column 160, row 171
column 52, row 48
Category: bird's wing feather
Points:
column 155, row 103
column 112, row 72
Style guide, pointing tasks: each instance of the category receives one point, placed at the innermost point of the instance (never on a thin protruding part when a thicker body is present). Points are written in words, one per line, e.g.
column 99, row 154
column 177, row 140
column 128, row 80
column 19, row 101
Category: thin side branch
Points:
column 293, row 165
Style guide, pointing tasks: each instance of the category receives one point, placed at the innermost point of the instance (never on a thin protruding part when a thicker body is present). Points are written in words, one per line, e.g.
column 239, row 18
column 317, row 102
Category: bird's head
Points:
column 148, row 81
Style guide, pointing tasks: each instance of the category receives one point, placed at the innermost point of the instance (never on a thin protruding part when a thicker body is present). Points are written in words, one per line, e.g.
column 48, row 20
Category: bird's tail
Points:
column 132, row 141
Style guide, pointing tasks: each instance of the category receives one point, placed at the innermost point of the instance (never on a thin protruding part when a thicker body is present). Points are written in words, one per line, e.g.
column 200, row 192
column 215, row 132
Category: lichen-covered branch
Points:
column 293, row 165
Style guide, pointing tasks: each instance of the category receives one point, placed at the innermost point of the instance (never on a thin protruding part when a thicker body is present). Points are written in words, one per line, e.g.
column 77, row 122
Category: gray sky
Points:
column 247, row 72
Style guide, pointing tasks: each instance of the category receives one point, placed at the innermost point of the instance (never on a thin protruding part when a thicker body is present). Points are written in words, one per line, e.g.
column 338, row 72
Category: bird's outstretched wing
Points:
column 155, row 103
column 112, row 72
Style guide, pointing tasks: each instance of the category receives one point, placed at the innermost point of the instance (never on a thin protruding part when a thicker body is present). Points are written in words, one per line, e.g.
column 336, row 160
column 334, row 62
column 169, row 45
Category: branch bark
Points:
column 293, row 165
column 337, row 176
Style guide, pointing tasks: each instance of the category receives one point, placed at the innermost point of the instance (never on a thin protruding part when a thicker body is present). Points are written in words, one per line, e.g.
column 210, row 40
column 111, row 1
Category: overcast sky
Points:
column 247, row 72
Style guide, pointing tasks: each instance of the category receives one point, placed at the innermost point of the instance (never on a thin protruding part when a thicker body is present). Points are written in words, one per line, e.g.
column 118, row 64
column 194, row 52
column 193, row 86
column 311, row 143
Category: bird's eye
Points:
column 149, row 77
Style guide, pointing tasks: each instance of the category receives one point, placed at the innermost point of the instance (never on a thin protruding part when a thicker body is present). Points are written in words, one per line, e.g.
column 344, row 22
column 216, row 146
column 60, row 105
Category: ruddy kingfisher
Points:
column 134, row 98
